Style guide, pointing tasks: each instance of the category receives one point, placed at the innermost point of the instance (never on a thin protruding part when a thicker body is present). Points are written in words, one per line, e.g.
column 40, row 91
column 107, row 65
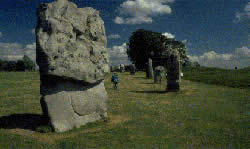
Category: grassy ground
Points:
column 141, row 115
column 232, row 78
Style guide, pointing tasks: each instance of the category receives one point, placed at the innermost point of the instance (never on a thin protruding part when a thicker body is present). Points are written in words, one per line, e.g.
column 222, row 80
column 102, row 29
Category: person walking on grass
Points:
column 115, row 80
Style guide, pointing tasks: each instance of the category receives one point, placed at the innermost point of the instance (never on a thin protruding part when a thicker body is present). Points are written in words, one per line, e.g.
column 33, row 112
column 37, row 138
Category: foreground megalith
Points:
column 73, row 61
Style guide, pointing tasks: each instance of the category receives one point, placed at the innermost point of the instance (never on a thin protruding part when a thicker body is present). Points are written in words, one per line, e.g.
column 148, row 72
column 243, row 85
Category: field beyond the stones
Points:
column 141, row 115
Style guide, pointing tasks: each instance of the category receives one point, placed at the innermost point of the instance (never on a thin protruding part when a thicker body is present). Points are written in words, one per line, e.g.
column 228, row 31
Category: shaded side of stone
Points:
column 132, row 69
column 173, row 71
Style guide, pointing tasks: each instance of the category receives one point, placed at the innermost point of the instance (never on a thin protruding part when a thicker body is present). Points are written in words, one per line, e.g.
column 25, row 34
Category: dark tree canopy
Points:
column 145, row 44
column 20, row 65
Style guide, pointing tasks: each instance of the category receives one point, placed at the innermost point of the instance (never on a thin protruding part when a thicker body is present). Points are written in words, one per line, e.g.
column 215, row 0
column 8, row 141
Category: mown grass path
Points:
column 141, row 115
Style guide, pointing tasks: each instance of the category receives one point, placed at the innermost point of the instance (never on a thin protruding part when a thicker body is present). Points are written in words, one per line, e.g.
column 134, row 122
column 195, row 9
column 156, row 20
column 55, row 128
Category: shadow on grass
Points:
column 149, row 83
column 158, row 92
column 23, row 121
column 140, row 77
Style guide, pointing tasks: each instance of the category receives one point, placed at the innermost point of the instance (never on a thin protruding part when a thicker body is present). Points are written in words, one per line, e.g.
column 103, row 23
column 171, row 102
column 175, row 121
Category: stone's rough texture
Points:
column 73, row 61
column 150, row 69
column 173, row 70
column 71, row 42
column 159, row 73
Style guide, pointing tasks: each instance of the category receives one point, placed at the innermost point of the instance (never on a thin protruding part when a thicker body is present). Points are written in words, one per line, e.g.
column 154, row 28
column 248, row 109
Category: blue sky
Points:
column 215, row 32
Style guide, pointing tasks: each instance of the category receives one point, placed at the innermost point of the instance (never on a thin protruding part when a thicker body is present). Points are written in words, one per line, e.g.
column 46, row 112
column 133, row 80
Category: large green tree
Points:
column 144, row 44
column 180, row 46
column 141, row 44
column 20, row 65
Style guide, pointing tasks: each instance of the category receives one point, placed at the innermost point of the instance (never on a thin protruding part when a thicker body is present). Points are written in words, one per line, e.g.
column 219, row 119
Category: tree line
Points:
column 144, row 44
column 25, row 64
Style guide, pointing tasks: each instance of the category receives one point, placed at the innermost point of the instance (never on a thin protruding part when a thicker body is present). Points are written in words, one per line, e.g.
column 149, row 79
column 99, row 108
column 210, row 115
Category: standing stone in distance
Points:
column 132, row 69
column 150, row 72
column 159, row 74
column 122, row 68
column 73, row 61
column 173, row 70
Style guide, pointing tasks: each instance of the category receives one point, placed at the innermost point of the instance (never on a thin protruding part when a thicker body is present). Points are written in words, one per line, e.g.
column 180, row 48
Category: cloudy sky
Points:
column 215, row 32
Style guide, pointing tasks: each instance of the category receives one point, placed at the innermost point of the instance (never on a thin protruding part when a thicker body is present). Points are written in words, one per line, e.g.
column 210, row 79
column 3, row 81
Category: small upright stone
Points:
column 132, row 69
column 122, row 68
column 159, row 74
column 150, row 72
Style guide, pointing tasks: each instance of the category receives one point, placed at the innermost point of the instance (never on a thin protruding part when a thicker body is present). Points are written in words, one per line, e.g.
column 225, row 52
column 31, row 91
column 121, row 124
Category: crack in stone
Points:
column 70, row 97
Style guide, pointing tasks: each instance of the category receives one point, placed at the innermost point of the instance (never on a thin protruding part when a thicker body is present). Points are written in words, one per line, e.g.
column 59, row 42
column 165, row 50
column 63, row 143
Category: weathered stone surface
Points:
column 173, row 70
column 150, row 72
column 70, row 104
column 71, row 42
column 73, row 61
column 159, row 73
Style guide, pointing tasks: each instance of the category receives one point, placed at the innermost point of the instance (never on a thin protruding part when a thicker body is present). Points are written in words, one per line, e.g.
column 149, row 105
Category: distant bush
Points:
column 232, row 78
column 25, row 64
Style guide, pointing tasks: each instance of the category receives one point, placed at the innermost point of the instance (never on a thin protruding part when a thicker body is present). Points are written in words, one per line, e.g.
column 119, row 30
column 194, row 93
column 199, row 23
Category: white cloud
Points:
column 168, row 35
column 119, row 20
column 33, row 31
column 31, row 46
column 13, row 57
column 184, row 41
column 240, row 58
column 244, row 15
column 114, row 36
column 141, row 11
column 120, row 50
column 1, row 34
column 243, row 51
column 15, row 51
column 118, row 54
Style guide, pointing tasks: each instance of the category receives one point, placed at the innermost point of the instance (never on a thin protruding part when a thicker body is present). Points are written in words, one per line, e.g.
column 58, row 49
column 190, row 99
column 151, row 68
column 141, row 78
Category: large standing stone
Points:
column 73, row 61
column 159, row 74
column 173, row 70
column 150, row 72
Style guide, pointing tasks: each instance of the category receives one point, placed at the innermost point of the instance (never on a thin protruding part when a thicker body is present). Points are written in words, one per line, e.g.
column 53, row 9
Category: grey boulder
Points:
column 71, row 42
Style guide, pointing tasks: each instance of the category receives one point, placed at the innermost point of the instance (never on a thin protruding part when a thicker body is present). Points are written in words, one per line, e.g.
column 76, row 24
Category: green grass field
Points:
column 141, row 115
column 232, row 78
